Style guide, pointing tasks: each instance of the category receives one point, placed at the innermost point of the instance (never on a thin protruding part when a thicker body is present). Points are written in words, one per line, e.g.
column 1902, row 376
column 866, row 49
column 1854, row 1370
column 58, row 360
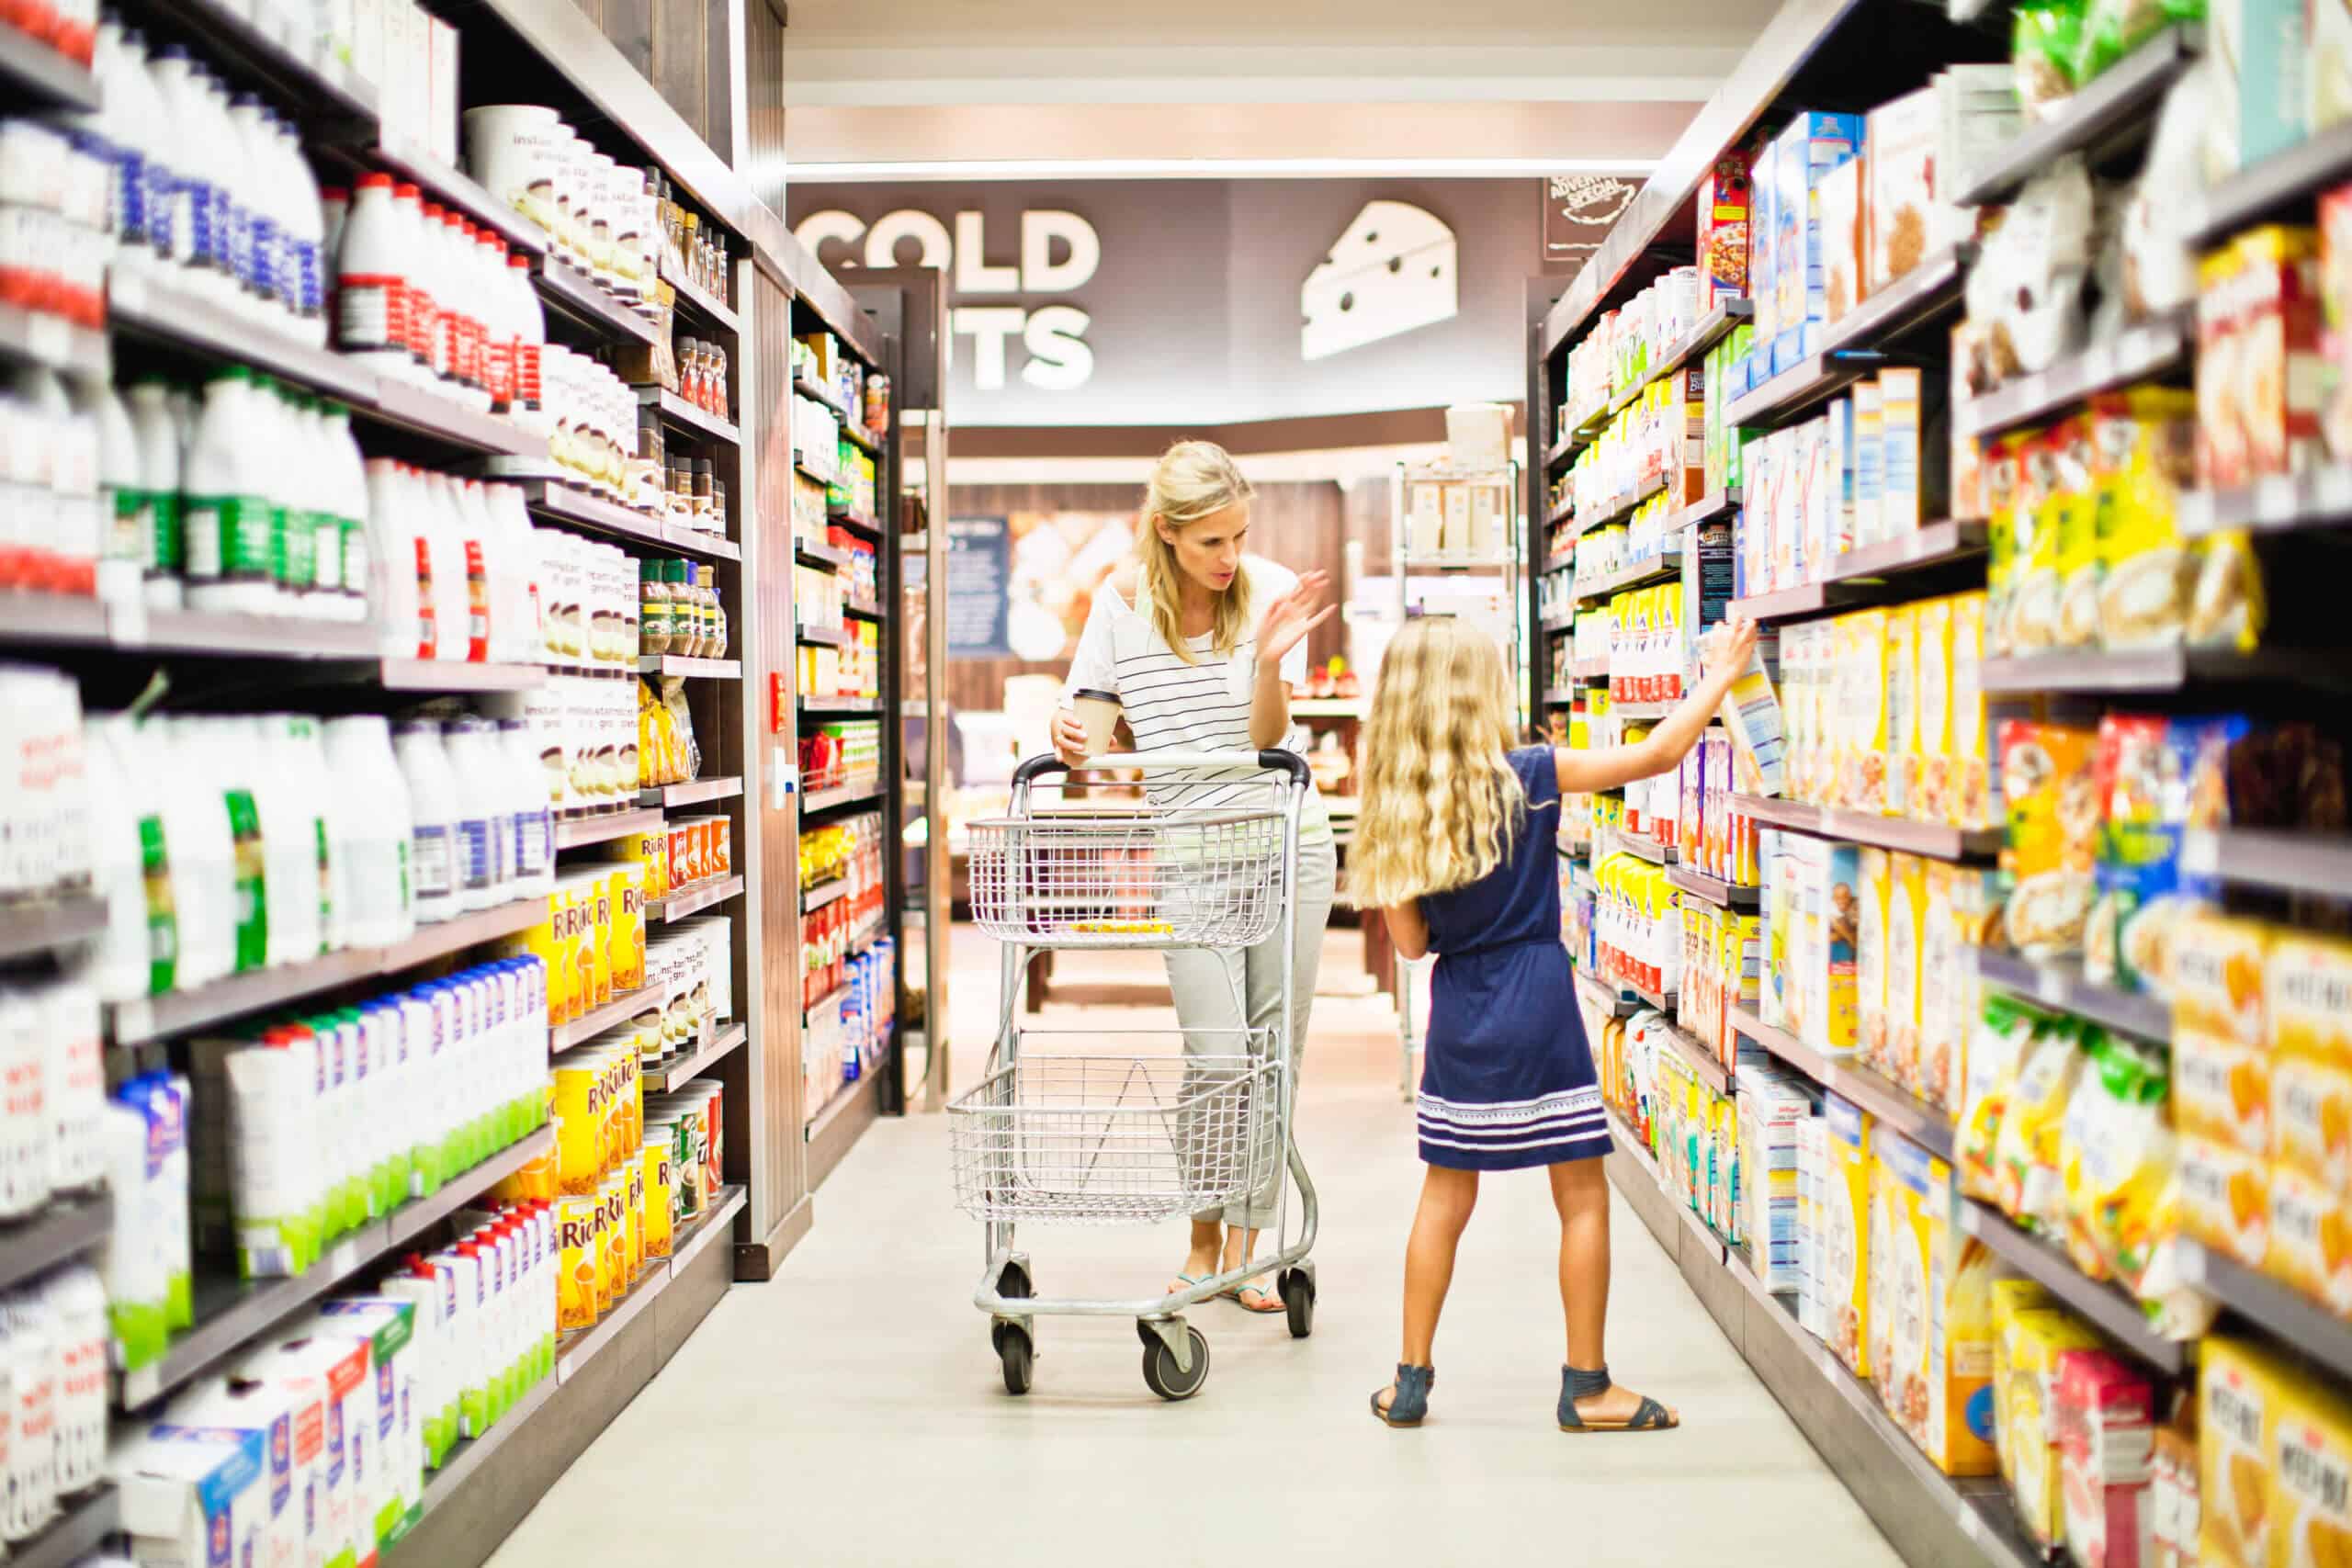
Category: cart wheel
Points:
column 1012, row 1344
column 1298, row 1299
column 1014, row 1284
column 1160, row 1374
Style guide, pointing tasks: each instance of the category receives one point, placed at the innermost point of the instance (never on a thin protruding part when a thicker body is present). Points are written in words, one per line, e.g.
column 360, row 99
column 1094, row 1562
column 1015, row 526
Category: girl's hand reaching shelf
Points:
column 1725, row 652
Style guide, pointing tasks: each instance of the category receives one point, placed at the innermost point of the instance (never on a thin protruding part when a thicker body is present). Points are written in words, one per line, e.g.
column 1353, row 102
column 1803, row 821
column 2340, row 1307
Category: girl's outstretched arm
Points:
column 1406, row 928
column 1727, row 650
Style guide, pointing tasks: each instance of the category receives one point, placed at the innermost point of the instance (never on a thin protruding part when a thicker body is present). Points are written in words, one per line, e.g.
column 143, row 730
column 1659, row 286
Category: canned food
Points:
column 575, row 1299
column 659, row 1219
column 612, row 1258
column 626, row 888
column 580, row 1114
column 634, row 1180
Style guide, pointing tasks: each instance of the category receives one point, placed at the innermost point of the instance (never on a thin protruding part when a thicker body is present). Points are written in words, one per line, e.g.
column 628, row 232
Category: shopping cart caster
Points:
column 1161, row 1373
column 1298, row 1299
column 1010, row 1335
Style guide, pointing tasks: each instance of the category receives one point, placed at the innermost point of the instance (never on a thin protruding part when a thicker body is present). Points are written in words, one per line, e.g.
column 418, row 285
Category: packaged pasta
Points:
column 2025, row 1150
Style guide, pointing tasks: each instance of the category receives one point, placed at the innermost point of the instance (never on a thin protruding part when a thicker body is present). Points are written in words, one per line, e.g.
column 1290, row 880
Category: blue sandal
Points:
column 1577, row 1384
column 1411, row 1402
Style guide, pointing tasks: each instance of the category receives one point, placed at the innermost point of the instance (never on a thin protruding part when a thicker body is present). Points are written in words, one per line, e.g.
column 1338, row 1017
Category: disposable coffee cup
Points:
column 1099, row 712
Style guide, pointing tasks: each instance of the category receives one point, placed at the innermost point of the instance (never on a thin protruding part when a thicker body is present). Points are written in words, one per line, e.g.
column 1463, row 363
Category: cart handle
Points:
column 1273, row 759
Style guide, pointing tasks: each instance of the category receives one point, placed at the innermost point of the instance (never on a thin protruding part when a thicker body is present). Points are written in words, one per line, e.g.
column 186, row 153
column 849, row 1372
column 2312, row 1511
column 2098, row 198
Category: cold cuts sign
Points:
column 1167, row 301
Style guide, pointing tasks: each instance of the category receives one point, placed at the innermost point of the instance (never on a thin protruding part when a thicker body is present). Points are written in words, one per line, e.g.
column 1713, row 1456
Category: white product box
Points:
column 324, row 1380
column 441, row 90
column 251, row 1414
column 1479, row 436
column 391, row 1492
column 189, row 1500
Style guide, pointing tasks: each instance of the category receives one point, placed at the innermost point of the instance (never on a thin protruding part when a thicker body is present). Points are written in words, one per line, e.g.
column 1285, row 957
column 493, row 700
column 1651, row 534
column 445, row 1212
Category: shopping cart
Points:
column 1123, row 1127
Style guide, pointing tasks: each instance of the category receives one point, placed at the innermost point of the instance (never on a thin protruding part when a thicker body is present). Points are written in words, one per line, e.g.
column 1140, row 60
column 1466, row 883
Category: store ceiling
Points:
column 921, row 86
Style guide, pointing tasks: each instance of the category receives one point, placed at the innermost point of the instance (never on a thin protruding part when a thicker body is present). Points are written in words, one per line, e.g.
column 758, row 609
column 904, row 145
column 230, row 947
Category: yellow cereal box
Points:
column 1901, row 707
column 1875, row 877
column 2010, row 1297
column 2221, row 1089
column 1960, row 905
column 2218, row 968
column 2311, row 1479
column 1863, row 704
column 1906, row 935
column 1845, row 1260
column 2030, row 1346
column 576, row 1261
column 2241, row 1396
column 2311, row 1119
column 613, row 1278
column 1931, row 797
column 2225, row 1198
column 1972, row 802
column 2310, row 1247
column 1938, row 1323
column 2309, row 991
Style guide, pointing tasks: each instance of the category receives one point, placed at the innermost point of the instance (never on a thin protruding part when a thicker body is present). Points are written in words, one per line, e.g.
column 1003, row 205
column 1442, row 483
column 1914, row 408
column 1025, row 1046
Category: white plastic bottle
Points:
column 196, row 821
column 371, row 280
column 129, row 956
column 370, row 824
column 279, row 467
column 304, row 237
column 534, row 817
column 263, row 241
column 226, row 513
column 121, row 502
column 393, row 545
column 433, row 811
column 189, row 201
column 484, row 816
column 348, row 484
column 491, row 601
column 440, row 521
column 67, row 461
column 530, row 327
column 307, row 764
column 157, row 435
column 225, row 186
column 288, row 881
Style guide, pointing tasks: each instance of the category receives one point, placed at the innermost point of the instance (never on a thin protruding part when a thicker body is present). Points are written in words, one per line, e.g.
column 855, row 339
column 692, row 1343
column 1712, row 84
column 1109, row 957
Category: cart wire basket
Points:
column 1134, row 878
column 1102, row 1140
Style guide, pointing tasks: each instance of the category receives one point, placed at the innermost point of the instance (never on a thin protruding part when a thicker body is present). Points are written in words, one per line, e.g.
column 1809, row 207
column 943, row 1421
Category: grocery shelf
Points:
column 815, row 898
column 39, row 76
column 869, row 610
column 158, row 310
column 1706, row 508
column 2115, row 109
column 817, row 636
column 40, row 925
column 1712, row 329
column 700, row 542
column 1889, row 1102
column 229, row 1312
column 846, row 706
column 2278, row 1309
column 38, row 337
column 562, row 1037
column 692, row 900
column 694, row 792
column 1602, row 996
column 52, row 619
column 1937, row 840
column 1656, row 568
column 175, row 1013
column 1874, row 573
column 705, row 1228
column 865, row 527
column 857, row 436
column 1561, row 510
column 271, row 637
column 453, row 189
column 2153, row 348
column 2105, row 1303
column 809, row 471
column 2284, row 180
column 670, row 1070
column 1558, row 696
column 1556, row 624
column 426, row 412
column 1607, row 841
column 1594, row 669
column 60, row 1228
column 584, row 830
column 818, row 800
column 2288, row 862
column 228, row 40
column 1444, row 562
column 1713, row 890
column 576, row 1349
column 1565, row 448
column 588, row 302
column 703, row 302
column 2319, row 499
column 457, row 675
column 810, row 553
column 2160, row 670
column 1327, row 708
column 1850, row 348
column 808, row 386
column 680, row 666
column 1696, row 1056
column 565, row 503
column 2060, row 983
column 1623, row 506
column 686, row 416
column 83, row 1524
column 470, row 1454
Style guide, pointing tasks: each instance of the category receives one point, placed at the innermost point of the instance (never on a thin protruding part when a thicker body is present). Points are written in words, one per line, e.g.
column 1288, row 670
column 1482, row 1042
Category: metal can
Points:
column 633, row 1180
column 612, row 1244
column 625, row 890
column 579, row 1122
column 654, row 1165
column 575, row 1299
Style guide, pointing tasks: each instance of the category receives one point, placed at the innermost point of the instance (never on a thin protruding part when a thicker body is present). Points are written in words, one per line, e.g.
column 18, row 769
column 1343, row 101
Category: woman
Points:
column 1201, row 645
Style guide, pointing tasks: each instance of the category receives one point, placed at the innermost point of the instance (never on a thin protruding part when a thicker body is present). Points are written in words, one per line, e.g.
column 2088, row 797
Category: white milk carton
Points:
column 324, row 1378
column 396, row 1465
column 240, row 1412
column 189, row 1500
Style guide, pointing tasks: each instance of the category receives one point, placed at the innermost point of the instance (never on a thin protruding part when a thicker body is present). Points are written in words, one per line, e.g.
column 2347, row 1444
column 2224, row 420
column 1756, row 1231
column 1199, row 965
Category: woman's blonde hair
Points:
column 1440, row 803
column 1193, row 480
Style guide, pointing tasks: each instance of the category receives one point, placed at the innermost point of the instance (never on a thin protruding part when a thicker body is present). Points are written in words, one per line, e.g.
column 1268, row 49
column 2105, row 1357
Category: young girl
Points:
column 1454, row 845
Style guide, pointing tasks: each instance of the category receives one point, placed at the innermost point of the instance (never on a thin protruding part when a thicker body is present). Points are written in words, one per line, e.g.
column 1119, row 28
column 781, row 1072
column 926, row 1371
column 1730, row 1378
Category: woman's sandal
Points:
column 1269, row 1299
column 1410, row 1403
column 1577, row 1384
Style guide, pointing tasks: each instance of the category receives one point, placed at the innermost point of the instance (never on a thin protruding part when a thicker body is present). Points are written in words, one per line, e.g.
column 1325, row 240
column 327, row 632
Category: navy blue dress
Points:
column 1507, row 1078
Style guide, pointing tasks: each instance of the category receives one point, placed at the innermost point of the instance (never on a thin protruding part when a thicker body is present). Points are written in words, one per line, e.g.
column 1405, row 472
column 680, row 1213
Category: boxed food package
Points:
column 220, row 1412
column 2221, row 1089
column 2225, row 1198
column 1876, row 885
column 329, row 1381
column 1864, row 680
column 390, row 1496
column 2330, row 72
column 1845, row 1230
column 1723, row 231
column 2029, row 1148
column 2144, row 447
column 2258, row 367
column 1803, row 154
column 1928, row 768
column 2220, row 971
column 2047, row 781
column 2106, row 1417
column 1763, row 271
column 1828, row 929
column 1960, row 903
column 1902, row 707
column 2029, row 1355
column 1906, row 914
column 2174, row 1490
column 1910, row 481
column 1870, row 463
column 191, row 1499
column 1937, row 1382
column 2308, row 993
column 2335, row 275
column 2310, row 1245
column 2267, row 42
column 1842, row 239
column 1977, row 803
column 2311, row 1477
column 1901, row 200
column 2241, row 1396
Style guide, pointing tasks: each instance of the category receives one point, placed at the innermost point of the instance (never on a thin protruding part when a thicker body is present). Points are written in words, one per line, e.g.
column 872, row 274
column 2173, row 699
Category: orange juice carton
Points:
column 1937, row 1330
column 2107, row 1420
column 2240, row 1399
column 2225, row 1198
column 1845, row 1208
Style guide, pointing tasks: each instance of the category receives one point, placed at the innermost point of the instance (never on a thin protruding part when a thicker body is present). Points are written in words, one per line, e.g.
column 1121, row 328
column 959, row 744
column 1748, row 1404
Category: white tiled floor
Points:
column 851, row 1411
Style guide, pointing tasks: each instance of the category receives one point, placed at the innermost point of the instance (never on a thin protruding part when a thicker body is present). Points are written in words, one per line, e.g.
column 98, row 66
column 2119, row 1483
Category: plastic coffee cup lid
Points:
column 1112, row 697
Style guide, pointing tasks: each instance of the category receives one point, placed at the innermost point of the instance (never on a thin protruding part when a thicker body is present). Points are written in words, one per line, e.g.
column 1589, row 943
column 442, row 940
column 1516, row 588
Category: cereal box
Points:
column 2225, row 1198
column 1841, row 200
column 2028, row 1357
column 2106, row 1445
column 1906, row 915
column 1829, row 924
column 1723, row 231
column 2221, row 453
column 2173, row 1491
column 1902, row 707
column 2310, row 1119
column 2311, row 1478
column 1870, row 463
column 2336, row 270
column 2219, row 967
column 1961, row 901
column 1927, row 770
column 2310, row 1243
column 2221, row 1089
column 1869, row 961
column 1975, row 801
column 2309, row 994
column 1901, row 204
column 2241, row 1393
column 1803, row 155
column 1863, row 677
column 1845, row 1220
column 1907, row 492
column 1937, row 1383
column 2048, row 780
column 2144, row 447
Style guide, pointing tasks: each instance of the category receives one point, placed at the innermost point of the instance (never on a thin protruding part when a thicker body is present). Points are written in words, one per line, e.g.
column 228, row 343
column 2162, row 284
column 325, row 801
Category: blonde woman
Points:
column 1455, row 846
column 1202, row 644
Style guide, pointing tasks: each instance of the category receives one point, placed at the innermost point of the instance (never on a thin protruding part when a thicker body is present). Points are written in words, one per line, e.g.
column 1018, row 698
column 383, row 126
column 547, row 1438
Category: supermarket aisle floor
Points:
column 851, row 1412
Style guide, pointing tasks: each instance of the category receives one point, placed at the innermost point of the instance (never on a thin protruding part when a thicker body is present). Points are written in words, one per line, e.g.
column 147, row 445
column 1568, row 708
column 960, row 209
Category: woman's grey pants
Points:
column 1204, row 984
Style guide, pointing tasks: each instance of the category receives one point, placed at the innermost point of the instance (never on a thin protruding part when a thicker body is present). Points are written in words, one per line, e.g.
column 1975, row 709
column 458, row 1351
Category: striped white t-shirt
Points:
column 1173, row 706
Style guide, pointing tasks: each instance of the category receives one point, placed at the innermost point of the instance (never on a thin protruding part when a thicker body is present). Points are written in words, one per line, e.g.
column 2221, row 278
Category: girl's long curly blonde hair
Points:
column 1440, row 803
column 1193, row 480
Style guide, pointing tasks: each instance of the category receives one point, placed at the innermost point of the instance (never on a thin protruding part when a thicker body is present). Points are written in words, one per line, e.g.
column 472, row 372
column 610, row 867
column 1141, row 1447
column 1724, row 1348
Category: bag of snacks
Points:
column 2031, row 1189
column 2046, row 48
column 2047, row 781
column 1995, row 1051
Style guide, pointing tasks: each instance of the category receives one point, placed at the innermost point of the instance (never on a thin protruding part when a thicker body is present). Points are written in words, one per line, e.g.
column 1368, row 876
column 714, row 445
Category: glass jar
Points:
column 681, row 506
column 655, row 609
column 704, row 477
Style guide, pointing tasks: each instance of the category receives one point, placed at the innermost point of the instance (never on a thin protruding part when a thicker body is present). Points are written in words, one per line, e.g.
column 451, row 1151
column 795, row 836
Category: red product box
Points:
column 1723, row 231
column 2106, row 1419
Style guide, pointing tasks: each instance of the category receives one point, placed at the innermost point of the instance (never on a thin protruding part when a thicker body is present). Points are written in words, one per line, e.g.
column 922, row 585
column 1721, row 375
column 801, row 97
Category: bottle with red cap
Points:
column 371, row 280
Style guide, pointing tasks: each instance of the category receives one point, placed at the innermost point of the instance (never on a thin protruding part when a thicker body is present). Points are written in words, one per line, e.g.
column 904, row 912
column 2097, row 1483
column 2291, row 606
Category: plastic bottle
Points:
column 442, row 521
column 189, row 201
column 418, row 318
column 262, row 243
column 121, row 494
column 486, row 813
column 371, row 280
column 372, row 827
column 120, row 134
column 158, row 509
column 224, row 181
column 530, row 326
column 334, row 212
column 224, row 516
column 305, row 239
column 194, row 831
column 349, row 486
column 120, row 962
column 497, row 323
column 433, row 811
column 279, row 466
column 288, row 837
column 68, row 533
column 534, row 817
column 486, row 574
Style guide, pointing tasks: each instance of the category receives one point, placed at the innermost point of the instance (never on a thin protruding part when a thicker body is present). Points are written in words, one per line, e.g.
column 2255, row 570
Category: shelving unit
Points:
column 2105, row 1304
column 2060, row 985
column 1935, row 839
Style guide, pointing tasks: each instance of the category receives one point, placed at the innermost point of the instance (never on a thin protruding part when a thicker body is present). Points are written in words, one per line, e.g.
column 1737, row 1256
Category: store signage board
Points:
column 1578, row 211
column 1170, row 301
column 980, row 566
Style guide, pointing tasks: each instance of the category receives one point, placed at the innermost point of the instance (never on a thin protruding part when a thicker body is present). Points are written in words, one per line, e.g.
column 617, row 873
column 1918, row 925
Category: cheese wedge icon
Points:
column 1393, row 270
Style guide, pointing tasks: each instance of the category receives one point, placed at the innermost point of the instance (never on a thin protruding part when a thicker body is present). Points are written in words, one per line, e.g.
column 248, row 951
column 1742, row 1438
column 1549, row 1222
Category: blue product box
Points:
column 1802, row 155
column 2272, row 97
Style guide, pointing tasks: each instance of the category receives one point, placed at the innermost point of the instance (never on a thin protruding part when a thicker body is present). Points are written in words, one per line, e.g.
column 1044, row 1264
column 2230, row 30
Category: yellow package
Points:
column 2117, row 1160
column 2221, row 1089
column 633, row 1215
column 1846, row 1253
column 2225, row 1198
column 2308, row 988
column 2027, row 1152
column 658, row 1197
column 1906, row 919
column 1938, row 1385
column 1875, row 885
column 2310, row 1246
column 2075, row 543
column 1973, row 802
column 1863, row 700
column 2311, row 1478
column 1961, row 901
column 2311, row 1119
column 2030, row 1347
column 575, row 1303
column 1929, row 767
column 625, row 896
column 579, row 1122
column 2227, row 609
column 2241, row 1397
column 2219, row 966
column 2144, row 447
column 1997, row 1041
column 1901, row 707
column 2004, row 484
column 2010, row 1297
column 600, row 1235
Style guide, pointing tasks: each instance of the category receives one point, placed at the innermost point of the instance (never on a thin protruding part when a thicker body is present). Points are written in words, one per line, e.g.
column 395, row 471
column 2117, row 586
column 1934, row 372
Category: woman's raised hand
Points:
column 1289, row 618
column 1069, row 738
column 1728, row 643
